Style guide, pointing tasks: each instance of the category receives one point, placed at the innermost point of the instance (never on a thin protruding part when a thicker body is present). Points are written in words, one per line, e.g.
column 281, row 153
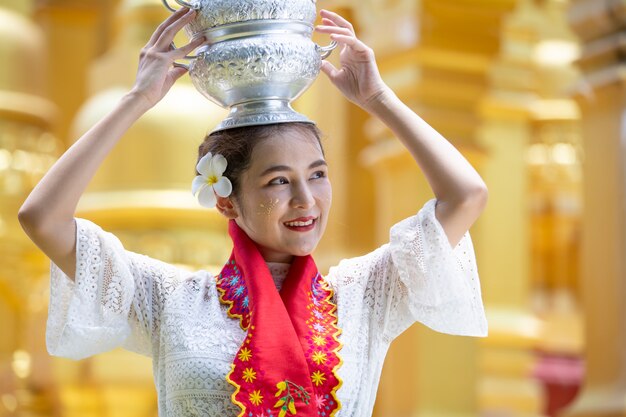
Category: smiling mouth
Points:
column 301, row 225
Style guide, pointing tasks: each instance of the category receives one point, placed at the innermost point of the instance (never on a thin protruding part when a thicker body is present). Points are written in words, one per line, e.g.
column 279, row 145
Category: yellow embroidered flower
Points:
column 319, row 340
column 245, row 354
column 318, row 378
column 282, row 385
column 319, row 357
column 249, row 375
column 255, row 397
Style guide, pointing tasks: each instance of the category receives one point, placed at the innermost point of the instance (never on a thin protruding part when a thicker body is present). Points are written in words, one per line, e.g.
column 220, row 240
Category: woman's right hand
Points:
column 157, row 73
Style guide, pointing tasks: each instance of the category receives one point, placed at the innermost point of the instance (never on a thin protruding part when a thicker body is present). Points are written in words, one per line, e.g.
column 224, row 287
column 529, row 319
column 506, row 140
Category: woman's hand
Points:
column 157, row 72
column 358, row 78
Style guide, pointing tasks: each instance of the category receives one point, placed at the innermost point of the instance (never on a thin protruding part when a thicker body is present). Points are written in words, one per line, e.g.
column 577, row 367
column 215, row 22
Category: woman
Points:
column 269, row 336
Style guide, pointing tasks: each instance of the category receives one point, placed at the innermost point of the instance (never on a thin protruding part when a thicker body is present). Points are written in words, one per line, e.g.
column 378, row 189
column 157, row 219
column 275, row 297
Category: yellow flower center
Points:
column 212, row 179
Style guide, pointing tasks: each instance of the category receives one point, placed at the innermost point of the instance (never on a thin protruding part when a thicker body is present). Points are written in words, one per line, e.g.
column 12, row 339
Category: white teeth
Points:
column 300, row 224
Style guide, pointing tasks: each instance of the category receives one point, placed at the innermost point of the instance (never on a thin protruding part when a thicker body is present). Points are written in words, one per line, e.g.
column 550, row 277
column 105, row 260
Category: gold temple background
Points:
column 532, row 92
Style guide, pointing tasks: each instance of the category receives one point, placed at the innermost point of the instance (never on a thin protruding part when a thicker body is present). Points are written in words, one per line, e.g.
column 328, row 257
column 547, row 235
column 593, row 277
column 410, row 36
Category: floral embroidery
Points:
column 318, row 378
column 245, row 354
column 319, row 328
column 227, row 283
column 319, row 340
column 320, row 332
column 324, row 359
column 287, row 401
column 255, row 397
column 320, row 401
column 319, row 357
column 249, row 375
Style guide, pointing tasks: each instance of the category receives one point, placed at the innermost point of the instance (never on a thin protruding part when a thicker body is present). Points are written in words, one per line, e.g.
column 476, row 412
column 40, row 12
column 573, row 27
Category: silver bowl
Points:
column 211, row 13
column 256, row 67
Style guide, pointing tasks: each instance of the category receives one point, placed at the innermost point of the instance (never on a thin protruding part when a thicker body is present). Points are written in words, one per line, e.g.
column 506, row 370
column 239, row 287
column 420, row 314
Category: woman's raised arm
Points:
column 461, row 193
column 47, row 214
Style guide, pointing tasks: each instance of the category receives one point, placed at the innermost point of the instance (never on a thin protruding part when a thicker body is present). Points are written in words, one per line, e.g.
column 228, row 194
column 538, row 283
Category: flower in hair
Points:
column 210, row 181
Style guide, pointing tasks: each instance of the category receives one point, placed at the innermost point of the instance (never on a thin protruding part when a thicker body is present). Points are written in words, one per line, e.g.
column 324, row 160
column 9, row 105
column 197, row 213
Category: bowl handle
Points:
column 324, row 51
column 181, row 2
column 189, row 57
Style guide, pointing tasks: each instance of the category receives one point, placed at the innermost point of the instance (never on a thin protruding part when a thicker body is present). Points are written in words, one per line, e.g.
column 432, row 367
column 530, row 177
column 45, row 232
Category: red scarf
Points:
column 287, row 363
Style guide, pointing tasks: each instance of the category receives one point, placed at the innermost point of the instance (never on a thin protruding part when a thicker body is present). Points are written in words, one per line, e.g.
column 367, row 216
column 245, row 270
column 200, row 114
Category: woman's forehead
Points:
column 292, row 150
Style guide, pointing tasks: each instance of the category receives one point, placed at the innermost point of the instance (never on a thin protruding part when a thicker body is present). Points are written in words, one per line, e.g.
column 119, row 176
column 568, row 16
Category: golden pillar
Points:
column 76, row 33
column 602, row 98
column 435, row 55
column 530, row 132
column 27, row 150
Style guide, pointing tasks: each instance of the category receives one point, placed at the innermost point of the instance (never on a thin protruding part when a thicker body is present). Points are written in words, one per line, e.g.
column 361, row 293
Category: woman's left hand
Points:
column 358, row 78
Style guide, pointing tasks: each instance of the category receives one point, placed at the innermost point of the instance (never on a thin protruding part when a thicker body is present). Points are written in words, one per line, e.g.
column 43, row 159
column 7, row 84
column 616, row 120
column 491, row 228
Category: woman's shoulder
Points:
column 352, row 267
column 197, row 277
column 174, row 276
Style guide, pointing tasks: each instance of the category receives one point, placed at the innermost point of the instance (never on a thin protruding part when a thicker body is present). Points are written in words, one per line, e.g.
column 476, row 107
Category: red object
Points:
column 562, row 377
column 288, row 361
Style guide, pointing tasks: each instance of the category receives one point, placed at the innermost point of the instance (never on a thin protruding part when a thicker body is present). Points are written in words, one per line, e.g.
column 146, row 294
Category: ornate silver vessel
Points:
column 259, row 57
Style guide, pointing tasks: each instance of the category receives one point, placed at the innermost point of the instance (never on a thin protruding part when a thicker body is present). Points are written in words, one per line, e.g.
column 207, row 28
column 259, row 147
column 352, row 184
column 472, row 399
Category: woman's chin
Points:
column 303, row 250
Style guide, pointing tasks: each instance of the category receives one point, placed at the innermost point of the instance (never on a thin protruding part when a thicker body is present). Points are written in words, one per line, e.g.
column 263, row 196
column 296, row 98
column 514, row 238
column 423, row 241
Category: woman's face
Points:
column 285, row 196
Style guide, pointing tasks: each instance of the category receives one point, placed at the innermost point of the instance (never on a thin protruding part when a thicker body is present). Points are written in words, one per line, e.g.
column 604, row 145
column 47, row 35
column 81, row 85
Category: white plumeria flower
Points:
column 210, row 181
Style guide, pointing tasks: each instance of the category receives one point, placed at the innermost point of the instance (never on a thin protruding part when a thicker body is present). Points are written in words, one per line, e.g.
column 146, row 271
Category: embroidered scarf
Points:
column 288, row 360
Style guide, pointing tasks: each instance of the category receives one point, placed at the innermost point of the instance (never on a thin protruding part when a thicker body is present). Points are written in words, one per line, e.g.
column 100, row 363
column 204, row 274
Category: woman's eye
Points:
column 278, row 181
column 319, row 174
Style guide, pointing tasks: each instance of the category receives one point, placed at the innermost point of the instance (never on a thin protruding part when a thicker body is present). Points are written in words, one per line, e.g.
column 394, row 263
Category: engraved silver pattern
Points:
column 232, row 72
column 211, row 13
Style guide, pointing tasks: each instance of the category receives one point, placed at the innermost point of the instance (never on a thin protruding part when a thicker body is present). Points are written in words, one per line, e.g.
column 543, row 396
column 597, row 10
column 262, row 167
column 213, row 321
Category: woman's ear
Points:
column 226, row 207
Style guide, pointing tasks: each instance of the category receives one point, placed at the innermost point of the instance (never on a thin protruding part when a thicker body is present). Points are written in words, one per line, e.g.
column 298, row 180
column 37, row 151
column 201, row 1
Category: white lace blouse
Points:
column 121, row 298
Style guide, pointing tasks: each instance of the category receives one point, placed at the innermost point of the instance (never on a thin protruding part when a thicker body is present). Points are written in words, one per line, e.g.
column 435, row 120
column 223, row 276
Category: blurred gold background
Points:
column 532, row 92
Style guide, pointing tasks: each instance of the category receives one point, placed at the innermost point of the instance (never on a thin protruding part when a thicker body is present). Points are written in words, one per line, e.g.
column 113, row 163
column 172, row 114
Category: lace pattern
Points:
column 431, row 282
column 124, row 299
column 114, row 301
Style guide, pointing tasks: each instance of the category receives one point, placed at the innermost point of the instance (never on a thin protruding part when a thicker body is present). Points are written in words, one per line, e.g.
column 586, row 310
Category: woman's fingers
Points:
column 351, row 41
column 183, row 51
column 330, row 70
column 157, row 32
column 340, row 21
column 326, row 21
column 334, row 29
column 177, row 72
column 167, row 36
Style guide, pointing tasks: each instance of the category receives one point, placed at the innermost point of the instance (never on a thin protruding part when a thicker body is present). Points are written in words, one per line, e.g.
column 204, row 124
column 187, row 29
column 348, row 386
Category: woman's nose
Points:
column 302, row 196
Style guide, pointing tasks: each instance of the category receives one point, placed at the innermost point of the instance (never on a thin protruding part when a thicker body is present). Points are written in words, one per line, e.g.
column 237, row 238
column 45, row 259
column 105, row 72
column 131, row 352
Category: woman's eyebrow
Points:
column 276, row 168
column 318, row 163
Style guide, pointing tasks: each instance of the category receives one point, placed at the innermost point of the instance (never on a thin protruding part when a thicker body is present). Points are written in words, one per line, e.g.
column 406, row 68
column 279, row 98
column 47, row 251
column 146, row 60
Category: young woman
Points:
column 268, row 336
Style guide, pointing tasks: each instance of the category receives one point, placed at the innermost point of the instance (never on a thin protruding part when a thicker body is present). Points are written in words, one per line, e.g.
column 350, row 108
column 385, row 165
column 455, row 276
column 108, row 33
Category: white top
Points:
column 121, row 298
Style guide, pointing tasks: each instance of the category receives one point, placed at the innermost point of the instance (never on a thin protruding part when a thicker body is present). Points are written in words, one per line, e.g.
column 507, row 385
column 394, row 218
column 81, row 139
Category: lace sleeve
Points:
column 417, row 276
column 115, row 300
column 432, row 282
